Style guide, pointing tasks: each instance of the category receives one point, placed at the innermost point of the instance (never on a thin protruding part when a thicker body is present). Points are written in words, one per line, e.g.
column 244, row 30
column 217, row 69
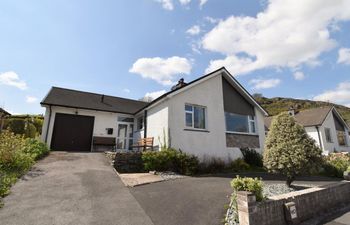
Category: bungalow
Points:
column 3, row 115
column 325, row 125
column 212, row 116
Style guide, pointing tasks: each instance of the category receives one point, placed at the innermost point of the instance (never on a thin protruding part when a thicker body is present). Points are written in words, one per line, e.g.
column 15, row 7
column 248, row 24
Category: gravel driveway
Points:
column 72, row 188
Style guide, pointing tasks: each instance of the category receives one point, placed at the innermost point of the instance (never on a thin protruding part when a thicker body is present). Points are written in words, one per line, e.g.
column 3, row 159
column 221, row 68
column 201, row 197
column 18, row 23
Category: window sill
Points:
column 241, row 133
column 198, row 130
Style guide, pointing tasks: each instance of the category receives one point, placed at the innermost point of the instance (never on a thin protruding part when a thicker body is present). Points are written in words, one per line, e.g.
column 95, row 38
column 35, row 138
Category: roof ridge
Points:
column 88, row 92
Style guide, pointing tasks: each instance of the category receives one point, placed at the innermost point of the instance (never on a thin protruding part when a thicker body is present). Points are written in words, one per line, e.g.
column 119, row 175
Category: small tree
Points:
column 288, row 149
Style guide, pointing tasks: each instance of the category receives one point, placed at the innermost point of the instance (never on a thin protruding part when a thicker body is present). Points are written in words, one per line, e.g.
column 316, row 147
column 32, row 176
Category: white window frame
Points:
column 192, row 113
column 330, row 134
column 249, row 120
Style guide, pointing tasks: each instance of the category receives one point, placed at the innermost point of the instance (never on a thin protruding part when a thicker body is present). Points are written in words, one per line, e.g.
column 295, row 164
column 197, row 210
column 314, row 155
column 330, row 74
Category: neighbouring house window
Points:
column 328, row 135
column 140, row 123
column 240, row 123
column 341, row 138
column 195, row 116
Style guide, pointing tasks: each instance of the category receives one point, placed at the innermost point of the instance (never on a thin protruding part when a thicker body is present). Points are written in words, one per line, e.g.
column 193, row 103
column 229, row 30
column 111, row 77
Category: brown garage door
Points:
column 72, row 132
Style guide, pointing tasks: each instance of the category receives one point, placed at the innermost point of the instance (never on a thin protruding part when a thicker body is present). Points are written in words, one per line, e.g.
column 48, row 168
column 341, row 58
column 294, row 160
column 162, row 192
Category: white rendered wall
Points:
column 157, row 124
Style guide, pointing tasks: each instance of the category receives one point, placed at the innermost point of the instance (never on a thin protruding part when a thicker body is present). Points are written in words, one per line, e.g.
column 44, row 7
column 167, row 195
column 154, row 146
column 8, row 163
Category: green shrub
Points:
column 348, row 170
column 254, row 185
column 335, row 165
column 170, row 160
column 252, row 157
column 38, row 123
column 36, row 149
column 30, row 131
column 16, row 126
column 239, row 165
column 289, row 150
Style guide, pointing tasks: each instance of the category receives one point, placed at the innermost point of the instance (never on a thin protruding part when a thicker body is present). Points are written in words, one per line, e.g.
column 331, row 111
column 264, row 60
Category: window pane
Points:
column 189, row 119
column 236, row 123
column 328, row 135
column 252, row 126
column 188, row 108
column 140, row 123
column 199, row 117
column 125, row 119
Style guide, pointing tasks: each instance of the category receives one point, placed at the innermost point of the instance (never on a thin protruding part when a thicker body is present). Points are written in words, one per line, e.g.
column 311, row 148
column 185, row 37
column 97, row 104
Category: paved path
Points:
column 72, row 189
column 197, row 200
column 340, row 219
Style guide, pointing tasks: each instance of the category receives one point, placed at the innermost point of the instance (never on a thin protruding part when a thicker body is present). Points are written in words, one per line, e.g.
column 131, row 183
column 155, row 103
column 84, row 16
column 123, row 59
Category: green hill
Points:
column 277, row 105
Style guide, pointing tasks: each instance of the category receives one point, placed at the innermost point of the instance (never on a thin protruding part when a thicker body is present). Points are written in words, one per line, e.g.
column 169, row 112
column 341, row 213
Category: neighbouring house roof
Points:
column 223, row 70
column 4, row 112
column 86, row 100
column 309, row 117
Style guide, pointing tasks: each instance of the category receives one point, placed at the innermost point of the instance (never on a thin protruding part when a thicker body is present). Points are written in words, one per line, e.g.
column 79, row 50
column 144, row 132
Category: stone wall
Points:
column 128, row 162
column 308, row 204
column 242, row 141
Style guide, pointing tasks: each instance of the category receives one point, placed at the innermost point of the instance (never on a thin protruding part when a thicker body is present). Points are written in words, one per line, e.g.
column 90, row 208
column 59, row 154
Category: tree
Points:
column 289, row 150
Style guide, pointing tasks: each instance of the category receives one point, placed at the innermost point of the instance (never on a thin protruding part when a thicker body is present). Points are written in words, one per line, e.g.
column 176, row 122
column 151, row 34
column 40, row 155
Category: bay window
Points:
column 240, row 123
column 195, row 116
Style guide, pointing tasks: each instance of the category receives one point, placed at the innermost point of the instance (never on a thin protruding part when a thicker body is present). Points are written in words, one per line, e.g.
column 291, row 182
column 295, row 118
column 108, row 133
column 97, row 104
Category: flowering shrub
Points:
column 335, row 164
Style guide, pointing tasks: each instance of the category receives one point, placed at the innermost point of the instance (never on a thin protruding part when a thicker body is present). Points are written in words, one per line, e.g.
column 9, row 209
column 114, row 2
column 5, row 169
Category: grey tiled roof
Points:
column 86, row 100
column 307, row 118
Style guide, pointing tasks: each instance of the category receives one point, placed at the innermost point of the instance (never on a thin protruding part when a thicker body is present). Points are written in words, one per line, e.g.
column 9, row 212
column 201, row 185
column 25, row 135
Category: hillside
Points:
column 277, row 105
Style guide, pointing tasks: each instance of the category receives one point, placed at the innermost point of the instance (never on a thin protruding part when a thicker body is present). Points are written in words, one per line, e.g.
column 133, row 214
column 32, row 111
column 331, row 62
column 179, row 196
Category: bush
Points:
column 30, row 131
column 254, row 185
column 16, row 126
column 252, row 157
column 289, row 150
column 239, row 165
column 335, row 165
column 17, row 155
column 170, row 160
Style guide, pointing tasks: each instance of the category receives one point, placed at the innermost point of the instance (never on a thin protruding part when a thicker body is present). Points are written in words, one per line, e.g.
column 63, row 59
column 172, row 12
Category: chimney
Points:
column 102, row 98
column 179, row 84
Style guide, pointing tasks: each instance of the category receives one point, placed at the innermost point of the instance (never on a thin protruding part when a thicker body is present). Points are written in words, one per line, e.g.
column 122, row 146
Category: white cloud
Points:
column 234, row 64
column 31, row 99
column 162, row 70
column 202, row 2
column 340, row 95
column 184, row 2
column 211, row 19
column 155, row 94
column 285, row 34
column 194, row 30
column 166, row 4
column 126, row 90
column 265, row 84
column 344, row 55
column 299, row 75
column 12, row 79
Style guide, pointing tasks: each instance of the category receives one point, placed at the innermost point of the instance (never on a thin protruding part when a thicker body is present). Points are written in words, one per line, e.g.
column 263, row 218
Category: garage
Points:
column 72, row 132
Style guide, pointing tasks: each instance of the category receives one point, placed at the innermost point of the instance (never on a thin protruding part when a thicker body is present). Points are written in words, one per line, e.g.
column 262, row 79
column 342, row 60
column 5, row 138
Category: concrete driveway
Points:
column 72, row 188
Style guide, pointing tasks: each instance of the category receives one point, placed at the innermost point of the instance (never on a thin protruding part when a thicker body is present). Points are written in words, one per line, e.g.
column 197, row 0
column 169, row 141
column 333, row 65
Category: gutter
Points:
column 319, row 137
column 48, row 125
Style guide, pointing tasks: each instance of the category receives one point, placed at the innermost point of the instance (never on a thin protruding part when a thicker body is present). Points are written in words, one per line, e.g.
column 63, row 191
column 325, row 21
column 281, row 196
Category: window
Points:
column 195, row 116
column 240, row 123
column 328, row 135
column 125, row 119
column 140, row 123
column 341, row 138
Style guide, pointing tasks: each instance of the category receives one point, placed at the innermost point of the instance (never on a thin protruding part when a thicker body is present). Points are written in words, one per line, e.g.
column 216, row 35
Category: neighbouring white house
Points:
column 212, row 116
column 325, row 125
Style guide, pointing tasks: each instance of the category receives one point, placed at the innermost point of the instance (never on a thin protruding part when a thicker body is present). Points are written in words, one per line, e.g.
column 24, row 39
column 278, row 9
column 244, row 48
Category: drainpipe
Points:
column 48, row 124
column 319, row 137
column 145, row 124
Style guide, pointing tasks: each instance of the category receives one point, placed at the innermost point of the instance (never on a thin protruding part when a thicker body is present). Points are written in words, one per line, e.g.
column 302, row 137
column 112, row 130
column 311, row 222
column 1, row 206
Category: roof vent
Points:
column 179, row 84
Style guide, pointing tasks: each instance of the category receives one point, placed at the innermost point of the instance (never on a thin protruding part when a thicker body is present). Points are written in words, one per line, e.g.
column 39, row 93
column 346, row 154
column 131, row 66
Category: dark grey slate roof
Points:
column 86, row 100
column 307, row 118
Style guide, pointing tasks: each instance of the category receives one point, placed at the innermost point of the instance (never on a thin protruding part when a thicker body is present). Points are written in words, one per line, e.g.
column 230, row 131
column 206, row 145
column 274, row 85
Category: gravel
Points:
column 278, row 189
column 170, row 175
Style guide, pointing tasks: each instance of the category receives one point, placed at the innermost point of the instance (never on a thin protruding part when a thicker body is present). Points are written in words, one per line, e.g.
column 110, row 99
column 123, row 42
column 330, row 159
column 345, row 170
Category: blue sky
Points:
column 129, row 48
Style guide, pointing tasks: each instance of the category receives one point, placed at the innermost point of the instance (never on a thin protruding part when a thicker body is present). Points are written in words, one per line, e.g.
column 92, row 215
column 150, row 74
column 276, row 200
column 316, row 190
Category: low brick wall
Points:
column 308, row 204
column 128, row 162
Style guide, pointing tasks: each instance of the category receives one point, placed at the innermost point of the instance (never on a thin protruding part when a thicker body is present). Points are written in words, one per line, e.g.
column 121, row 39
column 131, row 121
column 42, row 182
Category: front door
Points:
column 125, row 136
